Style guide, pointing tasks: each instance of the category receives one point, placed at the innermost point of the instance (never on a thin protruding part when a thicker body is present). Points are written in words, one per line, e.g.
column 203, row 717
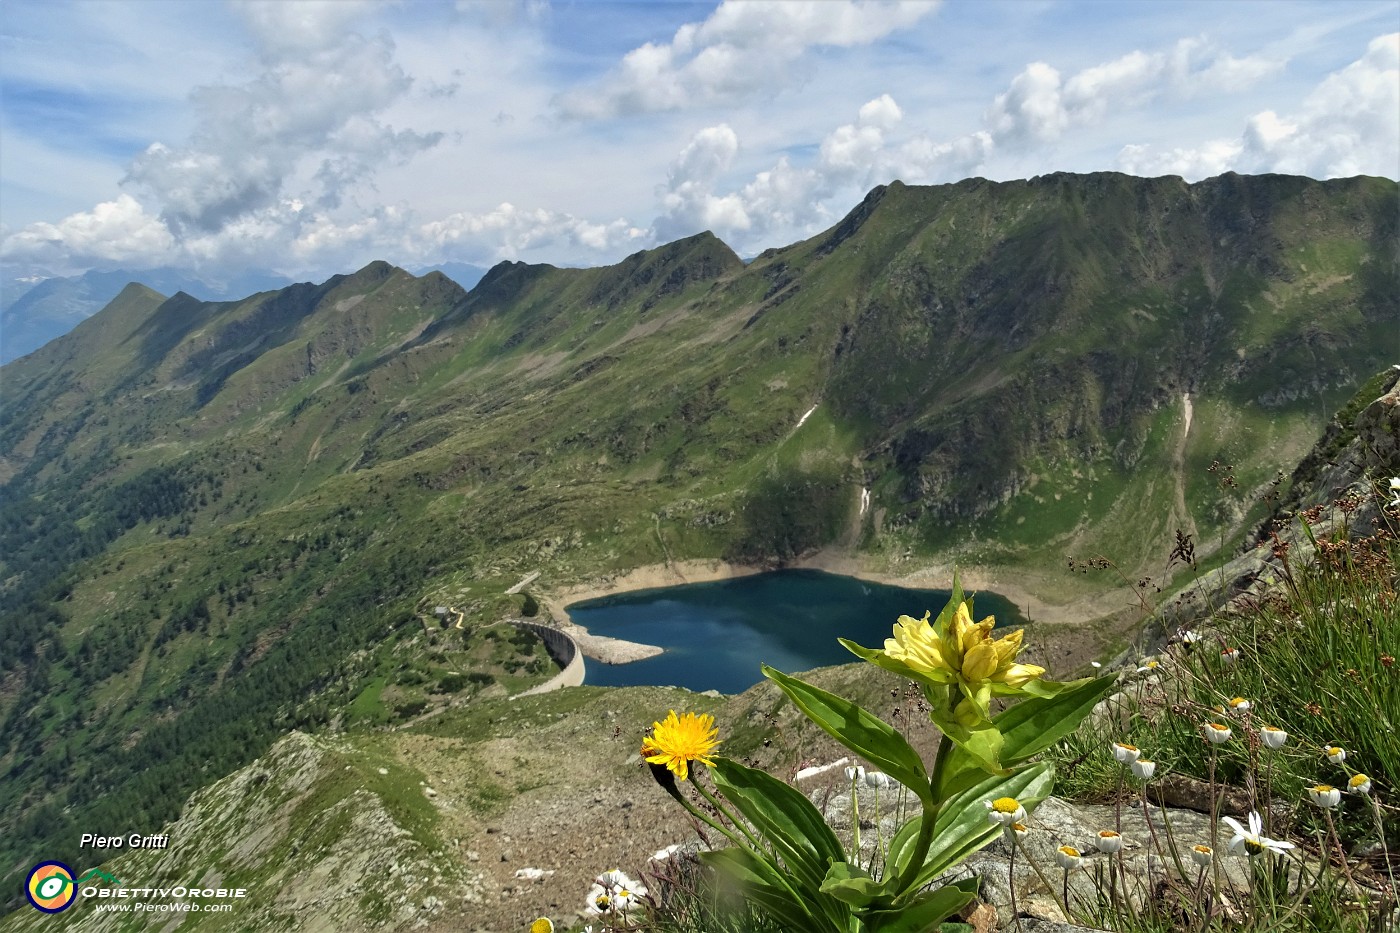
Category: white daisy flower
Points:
column 1004, row 811
column 1251, row 840
column 1324, row 795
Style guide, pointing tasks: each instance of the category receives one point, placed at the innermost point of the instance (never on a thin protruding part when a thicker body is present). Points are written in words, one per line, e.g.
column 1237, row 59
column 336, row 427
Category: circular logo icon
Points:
column 50, row 887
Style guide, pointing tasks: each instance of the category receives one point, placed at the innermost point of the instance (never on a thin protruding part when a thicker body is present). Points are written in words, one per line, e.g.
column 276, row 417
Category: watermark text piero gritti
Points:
column 134, row 841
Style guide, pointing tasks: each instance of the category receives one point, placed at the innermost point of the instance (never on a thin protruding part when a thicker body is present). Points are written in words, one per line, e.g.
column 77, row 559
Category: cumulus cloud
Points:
column 311, row 111
column 113, row 232
column 1348, row 125
column 688, row 200
column 508, row 231
column 1041, row 104
column 268, row 162
column 795, row 199
column 306, row 25
column 746, row 47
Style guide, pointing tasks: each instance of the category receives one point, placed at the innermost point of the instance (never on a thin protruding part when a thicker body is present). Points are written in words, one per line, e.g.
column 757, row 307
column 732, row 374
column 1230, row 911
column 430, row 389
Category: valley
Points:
column 224, row 524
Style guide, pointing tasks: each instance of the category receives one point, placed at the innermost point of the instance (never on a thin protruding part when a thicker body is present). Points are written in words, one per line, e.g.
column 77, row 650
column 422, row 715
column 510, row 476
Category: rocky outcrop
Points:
column 1335, row 490
column 317, row 833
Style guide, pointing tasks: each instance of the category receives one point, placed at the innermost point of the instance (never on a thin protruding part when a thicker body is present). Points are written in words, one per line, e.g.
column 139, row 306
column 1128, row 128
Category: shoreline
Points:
column 974, row 580
column 1077, row 637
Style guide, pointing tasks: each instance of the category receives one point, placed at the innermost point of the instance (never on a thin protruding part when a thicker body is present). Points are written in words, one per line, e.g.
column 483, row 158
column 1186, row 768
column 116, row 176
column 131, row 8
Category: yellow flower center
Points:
column 1070, row 851
column 1323, row 789
column 1006, row 805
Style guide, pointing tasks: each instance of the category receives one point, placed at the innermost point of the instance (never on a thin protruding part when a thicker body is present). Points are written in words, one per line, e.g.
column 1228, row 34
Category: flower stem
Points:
column 1341, row 853
column 1035, row 866
column 855, row 816
column 1011, row 878
column 1385, row 854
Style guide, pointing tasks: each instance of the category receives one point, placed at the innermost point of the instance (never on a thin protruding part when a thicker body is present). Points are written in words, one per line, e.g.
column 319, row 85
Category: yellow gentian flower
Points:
column 964, row 654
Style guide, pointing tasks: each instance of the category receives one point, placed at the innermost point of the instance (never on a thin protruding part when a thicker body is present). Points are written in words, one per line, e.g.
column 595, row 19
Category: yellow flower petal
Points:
column 980, row 663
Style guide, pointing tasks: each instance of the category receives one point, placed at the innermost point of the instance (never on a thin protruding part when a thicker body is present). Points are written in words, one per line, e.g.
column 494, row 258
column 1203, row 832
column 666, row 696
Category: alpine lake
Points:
column 715, row 635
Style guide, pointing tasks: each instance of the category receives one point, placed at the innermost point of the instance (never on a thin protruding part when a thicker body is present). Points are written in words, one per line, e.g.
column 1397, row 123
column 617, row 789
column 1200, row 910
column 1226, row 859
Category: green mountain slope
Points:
column 222, row 521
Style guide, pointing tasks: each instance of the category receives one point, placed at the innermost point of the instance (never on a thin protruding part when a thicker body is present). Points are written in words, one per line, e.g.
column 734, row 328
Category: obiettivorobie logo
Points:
column 51, row 887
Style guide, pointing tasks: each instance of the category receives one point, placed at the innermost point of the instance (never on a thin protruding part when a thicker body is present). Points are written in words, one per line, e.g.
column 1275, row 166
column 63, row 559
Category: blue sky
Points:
column 309, row 138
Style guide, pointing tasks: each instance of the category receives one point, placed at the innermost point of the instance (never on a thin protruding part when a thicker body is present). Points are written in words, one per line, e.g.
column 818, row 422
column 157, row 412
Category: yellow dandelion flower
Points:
column 680, row 740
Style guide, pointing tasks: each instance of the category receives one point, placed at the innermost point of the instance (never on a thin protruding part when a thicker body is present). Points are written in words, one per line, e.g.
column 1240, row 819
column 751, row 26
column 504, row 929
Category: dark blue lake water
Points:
column 716, row 634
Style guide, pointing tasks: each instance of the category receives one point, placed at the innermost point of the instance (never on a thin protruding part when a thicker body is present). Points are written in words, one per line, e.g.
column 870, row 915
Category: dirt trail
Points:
column 1183, row 514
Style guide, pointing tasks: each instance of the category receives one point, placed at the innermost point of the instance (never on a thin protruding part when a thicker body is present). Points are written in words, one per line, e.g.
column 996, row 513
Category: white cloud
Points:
column 284, row 28
column 118, row 231
column 508, row 231
column 688, row 202
column 794, row 200
column 309, row 118
column 1040, row 105
column 745, row 48
column 1348, row 125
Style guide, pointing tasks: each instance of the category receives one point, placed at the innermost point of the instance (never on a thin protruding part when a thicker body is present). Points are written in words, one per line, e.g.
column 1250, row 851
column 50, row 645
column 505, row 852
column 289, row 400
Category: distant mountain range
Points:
column 222, row 521
column 35, row 313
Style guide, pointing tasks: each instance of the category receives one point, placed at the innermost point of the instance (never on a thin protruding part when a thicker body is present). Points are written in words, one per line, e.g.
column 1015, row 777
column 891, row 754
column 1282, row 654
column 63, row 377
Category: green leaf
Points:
column 852, row 885
column 962, row 827
column 867, row 736
column 760, row 883
column 924, row 914
column 1027, row 729
column 1044, row 721
column 785, row 817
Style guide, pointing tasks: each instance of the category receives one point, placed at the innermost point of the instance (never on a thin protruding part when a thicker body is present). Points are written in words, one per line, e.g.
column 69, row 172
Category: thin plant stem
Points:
column 1035, row 866
column 1385, row 855
column 724, row 811
column 1011, row 878
column 1214, row 823
column 1201, row 887
column 1172, row 846
column 855, row 815
column 1341, row 853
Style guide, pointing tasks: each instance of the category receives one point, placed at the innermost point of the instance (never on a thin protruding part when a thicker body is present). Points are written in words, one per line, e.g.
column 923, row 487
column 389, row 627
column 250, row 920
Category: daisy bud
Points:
column 1229, row 656
column 1216, row 733
column 1202, row 855
column 1335, row 754
column 1359, row 784
column 1273, row 736
column 1108, row 841
column 1144, row 769
column 1125, row 754
column 1240, row 704
column 1068, row 858
column 1324, row 795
